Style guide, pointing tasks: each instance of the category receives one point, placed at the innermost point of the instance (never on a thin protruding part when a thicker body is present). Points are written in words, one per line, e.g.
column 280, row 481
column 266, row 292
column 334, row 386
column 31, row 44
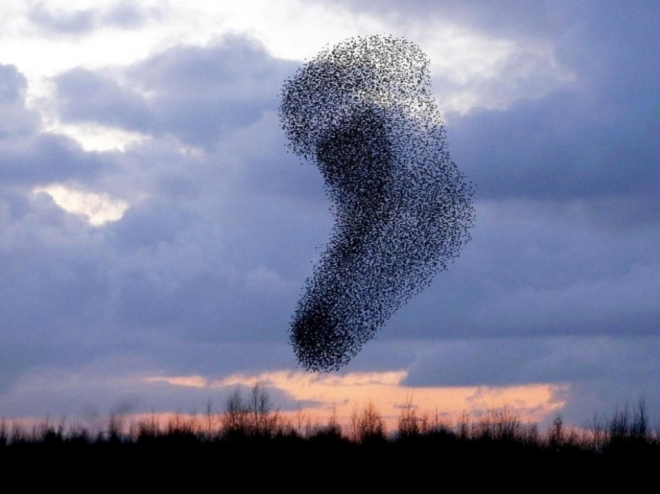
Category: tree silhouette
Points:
column 252, row 416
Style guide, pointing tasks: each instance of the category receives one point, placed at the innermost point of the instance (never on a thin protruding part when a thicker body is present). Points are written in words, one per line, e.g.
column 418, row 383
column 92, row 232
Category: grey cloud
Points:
column 540, row 269
column 187, row 263
column 593, row 402
column 12, row 85
column 125, row 15
column 518, row 19
column 15, row 359
column 507, row 18
column 515, row 361
column 152, row 222
column 51, row 276
column 48, row 158
column 594, row 140
column 553, row 149
column 217, row 359
column 29, row 156
column 18, row 121
column 79, row 22
column 95, row 396
column 200, row 258
column 195, row 94
column 87, row 96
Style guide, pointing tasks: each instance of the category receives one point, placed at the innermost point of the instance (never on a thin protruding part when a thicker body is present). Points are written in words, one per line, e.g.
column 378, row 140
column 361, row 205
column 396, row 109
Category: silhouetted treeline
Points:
column 251, row 443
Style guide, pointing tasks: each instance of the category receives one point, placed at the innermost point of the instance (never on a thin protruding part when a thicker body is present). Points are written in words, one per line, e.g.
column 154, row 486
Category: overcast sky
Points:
column 155, row 234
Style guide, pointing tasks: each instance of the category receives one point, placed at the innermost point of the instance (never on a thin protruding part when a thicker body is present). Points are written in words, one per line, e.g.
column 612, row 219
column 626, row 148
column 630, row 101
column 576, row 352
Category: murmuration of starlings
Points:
column 362, row 111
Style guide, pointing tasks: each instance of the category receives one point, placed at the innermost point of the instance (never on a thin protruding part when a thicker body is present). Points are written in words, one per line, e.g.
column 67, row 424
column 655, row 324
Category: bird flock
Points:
column 362, row 111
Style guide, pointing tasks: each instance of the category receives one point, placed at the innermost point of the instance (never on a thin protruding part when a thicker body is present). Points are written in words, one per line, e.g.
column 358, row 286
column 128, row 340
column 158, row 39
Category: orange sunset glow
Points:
column 386, row 391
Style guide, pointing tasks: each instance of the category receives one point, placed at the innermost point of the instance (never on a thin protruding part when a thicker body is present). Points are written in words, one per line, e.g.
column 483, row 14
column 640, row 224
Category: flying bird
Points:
column 362, row 111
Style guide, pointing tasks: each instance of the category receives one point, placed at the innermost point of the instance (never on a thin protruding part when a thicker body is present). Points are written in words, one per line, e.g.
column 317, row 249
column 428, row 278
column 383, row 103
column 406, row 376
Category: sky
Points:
column 155, row 234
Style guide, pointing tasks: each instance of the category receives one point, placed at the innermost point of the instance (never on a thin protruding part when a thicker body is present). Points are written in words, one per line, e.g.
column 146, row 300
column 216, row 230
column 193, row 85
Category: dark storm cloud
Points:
column 193, row 93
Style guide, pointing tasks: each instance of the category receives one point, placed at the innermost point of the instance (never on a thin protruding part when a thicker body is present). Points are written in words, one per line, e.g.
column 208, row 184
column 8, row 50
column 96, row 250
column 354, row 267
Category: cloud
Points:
column 523, row 360
column 98, row 208
column 127, row 15
column 195, row 94
column 75, row 22
column 554, row 149
column 17, row 122
column 87, row 96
